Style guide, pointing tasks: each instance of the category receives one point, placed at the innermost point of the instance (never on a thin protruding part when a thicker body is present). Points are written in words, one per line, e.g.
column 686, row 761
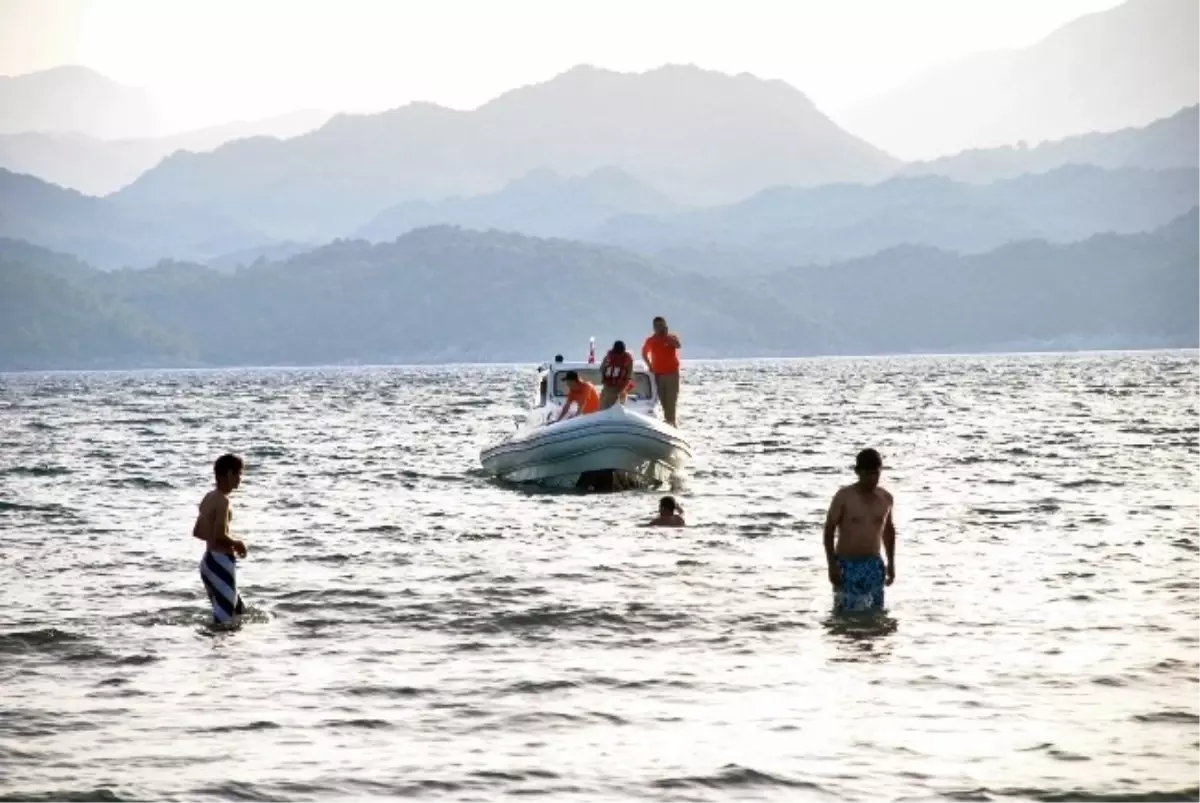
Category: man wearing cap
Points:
column 581, row 395
column 660, row 352
column 861, row 517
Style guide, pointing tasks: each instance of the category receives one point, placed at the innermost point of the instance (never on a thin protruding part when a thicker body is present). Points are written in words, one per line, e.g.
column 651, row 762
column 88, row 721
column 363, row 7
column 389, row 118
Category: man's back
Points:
column 584, row 396
column 213, row 517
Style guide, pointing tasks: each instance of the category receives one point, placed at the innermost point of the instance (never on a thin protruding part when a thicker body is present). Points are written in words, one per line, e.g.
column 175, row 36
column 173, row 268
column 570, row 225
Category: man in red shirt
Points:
column 616, row 371
column 661, row 354
column 580, row 393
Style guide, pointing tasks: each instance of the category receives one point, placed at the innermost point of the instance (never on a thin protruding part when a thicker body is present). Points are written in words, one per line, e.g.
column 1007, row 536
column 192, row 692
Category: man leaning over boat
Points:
column 582, row 397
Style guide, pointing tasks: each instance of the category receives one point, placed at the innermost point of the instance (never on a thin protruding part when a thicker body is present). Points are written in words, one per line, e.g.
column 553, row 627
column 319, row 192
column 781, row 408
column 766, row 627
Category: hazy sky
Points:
column 217, row 60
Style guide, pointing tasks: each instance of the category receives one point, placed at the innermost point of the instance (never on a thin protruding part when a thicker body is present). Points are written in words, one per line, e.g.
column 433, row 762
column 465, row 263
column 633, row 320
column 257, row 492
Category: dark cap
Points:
column 570, row 375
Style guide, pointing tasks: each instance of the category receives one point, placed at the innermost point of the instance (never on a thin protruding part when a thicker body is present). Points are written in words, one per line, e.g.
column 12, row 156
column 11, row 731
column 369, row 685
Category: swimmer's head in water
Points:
column 868, row 466
column 228, row 470
column 667, row 506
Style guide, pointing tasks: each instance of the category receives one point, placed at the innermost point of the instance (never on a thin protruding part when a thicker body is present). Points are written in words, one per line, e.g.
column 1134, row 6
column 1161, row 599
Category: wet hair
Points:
column 619, row 347
column 228, row 464
column 668, row 503
column 868, row 460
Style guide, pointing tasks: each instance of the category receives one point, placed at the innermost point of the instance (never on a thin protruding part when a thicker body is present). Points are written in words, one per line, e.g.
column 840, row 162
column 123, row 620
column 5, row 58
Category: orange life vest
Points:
column 616, row 370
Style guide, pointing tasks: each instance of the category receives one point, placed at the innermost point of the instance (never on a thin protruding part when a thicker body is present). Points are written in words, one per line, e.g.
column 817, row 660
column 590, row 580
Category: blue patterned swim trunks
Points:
column 862, row 584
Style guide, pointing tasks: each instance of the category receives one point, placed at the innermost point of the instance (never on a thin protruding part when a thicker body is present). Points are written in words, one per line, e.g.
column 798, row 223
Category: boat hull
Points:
column 617, row 441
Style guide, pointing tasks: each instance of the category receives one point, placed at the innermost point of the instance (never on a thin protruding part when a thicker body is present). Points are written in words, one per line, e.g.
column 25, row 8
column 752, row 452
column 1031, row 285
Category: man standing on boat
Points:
column 616, row 370
column 661, row 355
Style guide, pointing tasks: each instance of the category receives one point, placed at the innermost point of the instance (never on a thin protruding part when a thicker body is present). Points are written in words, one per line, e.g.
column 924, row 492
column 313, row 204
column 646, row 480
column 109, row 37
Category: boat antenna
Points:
column 591, row 351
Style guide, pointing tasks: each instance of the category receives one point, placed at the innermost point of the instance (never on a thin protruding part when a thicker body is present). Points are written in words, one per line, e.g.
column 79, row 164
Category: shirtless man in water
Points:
column 669, row 514
column 861, row 517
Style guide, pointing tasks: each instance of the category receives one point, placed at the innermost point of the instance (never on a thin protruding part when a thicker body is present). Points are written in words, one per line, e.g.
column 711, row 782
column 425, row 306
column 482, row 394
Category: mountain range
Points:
column 588, row 203
column 1102, row 72
column 697, row 136
column 1169, row 142
column 99, row 166
column 1109, row 291
column 445, row 294
column 790, row 225
column 77, row 100
column 773, row 229
column 437, row 294
column 542, row 204
column 109, row 235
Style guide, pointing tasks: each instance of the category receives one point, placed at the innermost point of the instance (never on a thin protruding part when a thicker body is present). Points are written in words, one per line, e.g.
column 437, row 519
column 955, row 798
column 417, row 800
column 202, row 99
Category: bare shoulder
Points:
column 216, row 502
column 885, row 495
column 207, row 502
column 838, row 503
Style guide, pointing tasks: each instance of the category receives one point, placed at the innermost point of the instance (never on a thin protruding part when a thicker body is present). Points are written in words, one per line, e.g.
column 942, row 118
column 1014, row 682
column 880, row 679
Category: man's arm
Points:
column 889, row 540
column 832, row 518
column 646, row 354
column 566, row 407
column 674, row 340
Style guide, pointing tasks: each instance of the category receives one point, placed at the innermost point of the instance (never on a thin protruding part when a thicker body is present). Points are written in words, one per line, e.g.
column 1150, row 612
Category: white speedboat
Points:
column 625, row 445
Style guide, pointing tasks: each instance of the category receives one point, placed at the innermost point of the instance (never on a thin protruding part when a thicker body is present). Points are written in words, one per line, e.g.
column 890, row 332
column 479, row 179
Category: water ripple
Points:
column 417, row 630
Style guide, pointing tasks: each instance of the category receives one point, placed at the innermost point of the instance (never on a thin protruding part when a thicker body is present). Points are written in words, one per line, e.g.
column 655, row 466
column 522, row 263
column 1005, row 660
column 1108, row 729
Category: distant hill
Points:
column 541, row 203
column 698, row 136
column 64, row 266
column 50, row 317
column 108, row 235
column 444, row 294
column 435, row 294
column 789, row 226
column 777, row 228
column 98, row 167
column 75, row 99
column 274, row 252
column 1107, row 71
column 441, row 294
column 1170, row 142
column 1109, row 291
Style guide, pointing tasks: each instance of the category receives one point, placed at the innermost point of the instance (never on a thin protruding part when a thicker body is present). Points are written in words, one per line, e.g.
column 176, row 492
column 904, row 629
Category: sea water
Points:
column 417, row 629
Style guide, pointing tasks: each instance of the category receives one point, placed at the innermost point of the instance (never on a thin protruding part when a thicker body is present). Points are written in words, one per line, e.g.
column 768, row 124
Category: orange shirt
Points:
column 664, row 357
column 585, row 396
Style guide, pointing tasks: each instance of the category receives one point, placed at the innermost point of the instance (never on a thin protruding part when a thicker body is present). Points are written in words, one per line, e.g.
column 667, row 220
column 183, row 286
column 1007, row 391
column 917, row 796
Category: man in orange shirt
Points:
column 582, row 394
column 661, row 354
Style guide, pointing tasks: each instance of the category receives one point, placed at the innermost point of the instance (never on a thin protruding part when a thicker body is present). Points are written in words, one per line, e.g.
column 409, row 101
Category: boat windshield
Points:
column 641, row 382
